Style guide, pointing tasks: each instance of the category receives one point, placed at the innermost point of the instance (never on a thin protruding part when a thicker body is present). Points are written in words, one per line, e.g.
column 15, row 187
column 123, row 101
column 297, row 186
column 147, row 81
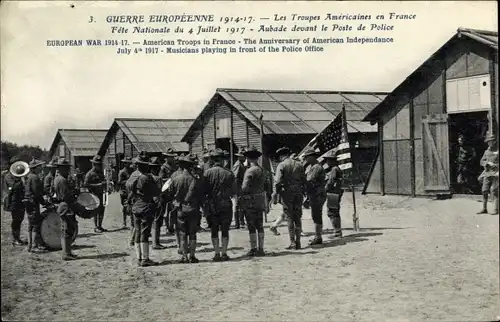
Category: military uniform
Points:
column 144, row 190
column 123, row 176
column 253, row 199
column 489, row 177
column 66, row 194
column 290, row 185
column 316, row 194
column 239, row 169
column 166, row 172
column 158, row 210
column 219, row 187
column 334, row 192
column 15, row 204
column 130, row 201
column 186, row 194
column 34, row 198
column 92, row 181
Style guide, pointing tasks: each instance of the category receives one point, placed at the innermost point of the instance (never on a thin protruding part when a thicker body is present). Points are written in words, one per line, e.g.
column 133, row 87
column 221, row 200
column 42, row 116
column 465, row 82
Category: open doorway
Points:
column 464, row 166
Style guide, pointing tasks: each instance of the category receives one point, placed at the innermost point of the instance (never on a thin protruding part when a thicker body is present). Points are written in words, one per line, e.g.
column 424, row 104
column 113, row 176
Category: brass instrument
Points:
column 19, row 169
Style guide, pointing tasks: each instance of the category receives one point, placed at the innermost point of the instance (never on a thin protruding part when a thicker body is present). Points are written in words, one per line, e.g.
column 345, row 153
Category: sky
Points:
column 45, row 88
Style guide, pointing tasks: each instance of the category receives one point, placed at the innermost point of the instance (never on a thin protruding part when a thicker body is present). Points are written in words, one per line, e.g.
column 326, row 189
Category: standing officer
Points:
column 489, row 176
column 334, row 191
column 239, row 169
column 130, row 198
column 34, row 198
column 144, row 190
column 96, row 183
column 290, row 185
column 315, row 192
column 123, row 176
column 186, row 194
column 466, row 154
column 253, row 197
column 66, row 195
column 154, row 167
column 207, row 162
column 166, row 171
column 14, row 202
column 219, row 188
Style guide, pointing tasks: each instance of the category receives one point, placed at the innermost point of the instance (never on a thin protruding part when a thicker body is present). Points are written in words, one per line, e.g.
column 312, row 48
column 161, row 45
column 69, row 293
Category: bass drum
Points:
column 50, row 230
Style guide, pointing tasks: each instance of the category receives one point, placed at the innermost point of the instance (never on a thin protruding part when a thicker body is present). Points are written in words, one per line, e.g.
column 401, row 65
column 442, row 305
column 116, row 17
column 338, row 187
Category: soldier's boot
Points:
column 192, row 251
column 30, row 240
column 183, row 248
column 317, row 239
column 225, row 243
column 39, row 242
column 260, row 251
column 156, row 237
column 179, row 241
column 495, row 211
column 146, row 261
column 292, row 236
column 253, row 245
column 132, row 236
column 337, row 231
column 16, row 239
column 298, row 232
column 125, row 220
column 485, row 205
column 138, row 253
column 68, row 247
column 66, row 250
column 215, row 243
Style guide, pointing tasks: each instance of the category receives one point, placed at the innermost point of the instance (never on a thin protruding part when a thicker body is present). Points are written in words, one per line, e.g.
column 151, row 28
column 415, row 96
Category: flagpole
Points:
column 355, row 218
column 261, row 123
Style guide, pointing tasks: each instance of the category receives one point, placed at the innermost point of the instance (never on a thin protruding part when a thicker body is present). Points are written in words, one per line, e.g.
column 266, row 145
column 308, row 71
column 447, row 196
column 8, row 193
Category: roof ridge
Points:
column 150, row 119
column 481, row 31
column 302, row 91
column 72, row 129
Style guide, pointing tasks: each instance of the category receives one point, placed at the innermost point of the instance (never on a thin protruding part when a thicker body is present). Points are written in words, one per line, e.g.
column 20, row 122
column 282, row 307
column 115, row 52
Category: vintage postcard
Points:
column 249, row 160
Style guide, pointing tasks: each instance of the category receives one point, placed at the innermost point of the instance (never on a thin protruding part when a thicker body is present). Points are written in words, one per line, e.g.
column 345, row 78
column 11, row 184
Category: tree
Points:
column 24, row 152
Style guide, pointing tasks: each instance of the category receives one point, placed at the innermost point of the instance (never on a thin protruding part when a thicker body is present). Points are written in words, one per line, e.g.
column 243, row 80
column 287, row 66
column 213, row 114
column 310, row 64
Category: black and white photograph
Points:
column 249, row 161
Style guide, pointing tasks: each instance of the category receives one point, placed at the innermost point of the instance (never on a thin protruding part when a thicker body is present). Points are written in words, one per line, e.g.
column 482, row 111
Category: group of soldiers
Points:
column 182, row 190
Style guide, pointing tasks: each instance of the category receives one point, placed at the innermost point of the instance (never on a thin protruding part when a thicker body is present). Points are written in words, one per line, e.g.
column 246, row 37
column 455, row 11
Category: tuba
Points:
column 19, row 169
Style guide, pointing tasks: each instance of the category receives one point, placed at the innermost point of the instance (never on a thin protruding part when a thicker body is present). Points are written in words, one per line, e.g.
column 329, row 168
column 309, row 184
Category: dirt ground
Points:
column 412, row 260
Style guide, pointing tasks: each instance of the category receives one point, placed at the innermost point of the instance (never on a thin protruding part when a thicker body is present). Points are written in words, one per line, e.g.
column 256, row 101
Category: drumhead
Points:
column 88, row 200
column 50, row 230
column 166, row 185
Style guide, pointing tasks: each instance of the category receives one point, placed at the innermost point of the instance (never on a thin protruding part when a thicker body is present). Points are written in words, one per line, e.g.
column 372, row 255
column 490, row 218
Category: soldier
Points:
column 123, row 176
column 65, row 195
column 166, row 171
column 466, row 154
column 154, row 167
column 207, row 163
column 334, row 191
column 15, row 204
column 219, row 188
column 290, row 186
column 489, row 176
column 143, row 191
column 239, row 169
column 130, row 198
column 253, row 200
column 34, row 198
column 186, row 194
column 96, row 183
column 48, row 181
column 316, row 193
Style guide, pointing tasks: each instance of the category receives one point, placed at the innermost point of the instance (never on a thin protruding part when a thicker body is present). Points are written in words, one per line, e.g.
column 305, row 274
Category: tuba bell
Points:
column 19, row 169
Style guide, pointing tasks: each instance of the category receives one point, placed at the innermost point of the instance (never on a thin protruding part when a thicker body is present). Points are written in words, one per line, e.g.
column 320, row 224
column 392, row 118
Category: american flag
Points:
column 334, row 136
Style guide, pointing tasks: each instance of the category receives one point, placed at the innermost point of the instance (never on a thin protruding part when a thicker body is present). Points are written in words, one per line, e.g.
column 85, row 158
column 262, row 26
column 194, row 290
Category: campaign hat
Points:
column 283, row 150
column 252, row 152
column 310, row 152
column 63, row 162
column 127, row 160
column 155, row 162
column 170, row 153
column 35, row 163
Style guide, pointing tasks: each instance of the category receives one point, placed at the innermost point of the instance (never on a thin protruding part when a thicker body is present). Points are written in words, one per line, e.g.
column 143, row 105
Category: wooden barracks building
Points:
column 129, row 136
column 78, row 146
column 453, row 92
column 231, row 119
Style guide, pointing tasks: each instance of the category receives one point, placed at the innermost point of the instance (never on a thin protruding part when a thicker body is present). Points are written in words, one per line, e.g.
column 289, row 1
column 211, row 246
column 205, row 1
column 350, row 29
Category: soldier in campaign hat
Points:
column 13, row 200
column 166, row 171
column 95, row 182
column 253, row 197
column 143, row 191
column 334, row 191
column 219, row 188
column 158, row 210
column 489, row 177
column 123, row 176
column 186, row 194
column 315, row 188
column 34, row 198
column 239, row 169
column 65, row 198
column 48, row 181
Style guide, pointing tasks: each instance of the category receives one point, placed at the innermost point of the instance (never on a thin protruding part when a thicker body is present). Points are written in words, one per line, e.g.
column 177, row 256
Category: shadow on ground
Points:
column 103, row 256
column 353, row 238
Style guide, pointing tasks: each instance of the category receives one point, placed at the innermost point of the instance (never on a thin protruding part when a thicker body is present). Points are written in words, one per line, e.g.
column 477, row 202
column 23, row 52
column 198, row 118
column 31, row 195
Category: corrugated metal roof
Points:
column 155, row 135
column 489, row 38
column 81, row 142
column 302, row 112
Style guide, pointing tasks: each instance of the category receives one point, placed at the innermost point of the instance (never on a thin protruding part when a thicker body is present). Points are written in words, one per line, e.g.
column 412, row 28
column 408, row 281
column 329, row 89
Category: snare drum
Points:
column 50, row 230
column 87, row 204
